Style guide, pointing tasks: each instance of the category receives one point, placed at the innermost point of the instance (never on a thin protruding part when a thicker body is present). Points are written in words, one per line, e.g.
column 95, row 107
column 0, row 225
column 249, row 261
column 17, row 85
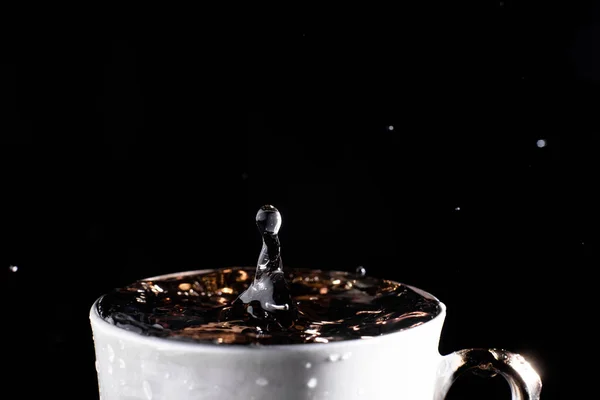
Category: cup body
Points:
column 400, row 365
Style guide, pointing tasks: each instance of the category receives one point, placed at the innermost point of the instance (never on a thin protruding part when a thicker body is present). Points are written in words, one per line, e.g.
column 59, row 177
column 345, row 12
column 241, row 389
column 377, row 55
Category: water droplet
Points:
column 346, row 356
column 111, row 353
column 334, row 357
column 361, row 271
column 268, row 220
column 147, row 390
column 308, row 365
column 541, row 143
column 262, row 382
column 312, row 383
column 13, row 268
column 121, row 344
column 456, row 208
column 390, row 128
column 121, row 363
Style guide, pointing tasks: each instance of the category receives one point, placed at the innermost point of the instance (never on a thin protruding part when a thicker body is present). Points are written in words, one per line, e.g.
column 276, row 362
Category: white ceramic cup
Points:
column 404, row 365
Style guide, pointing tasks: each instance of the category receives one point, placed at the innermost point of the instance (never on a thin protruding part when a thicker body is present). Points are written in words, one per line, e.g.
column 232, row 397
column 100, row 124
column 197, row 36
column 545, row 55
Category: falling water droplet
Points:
column 334, row 357
column 312, row 383
column 456, row 208
column 541, row 143
column 13, row 268
column 308, row 365
column 361, row 271
column 390, row 128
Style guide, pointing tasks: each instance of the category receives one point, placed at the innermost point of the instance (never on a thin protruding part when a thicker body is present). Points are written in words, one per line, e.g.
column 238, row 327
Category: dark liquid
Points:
column 329, row 306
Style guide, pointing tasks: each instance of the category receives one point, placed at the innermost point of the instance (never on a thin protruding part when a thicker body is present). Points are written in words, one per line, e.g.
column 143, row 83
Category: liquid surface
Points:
column 330, row 306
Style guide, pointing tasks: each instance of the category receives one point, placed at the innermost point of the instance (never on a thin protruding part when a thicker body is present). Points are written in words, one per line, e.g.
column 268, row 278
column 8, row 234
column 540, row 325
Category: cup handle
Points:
column 524, row 382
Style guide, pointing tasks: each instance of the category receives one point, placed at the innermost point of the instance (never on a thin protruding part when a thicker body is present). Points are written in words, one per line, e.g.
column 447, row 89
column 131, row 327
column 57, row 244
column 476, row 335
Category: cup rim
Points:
column 203, row 347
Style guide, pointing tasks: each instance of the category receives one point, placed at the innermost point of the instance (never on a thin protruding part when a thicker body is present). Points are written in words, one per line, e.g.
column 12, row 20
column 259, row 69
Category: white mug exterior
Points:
column 400, row 365
column 403, row 365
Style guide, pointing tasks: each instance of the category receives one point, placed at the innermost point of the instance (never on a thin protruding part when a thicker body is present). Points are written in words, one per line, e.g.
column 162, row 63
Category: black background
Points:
column 143, row 142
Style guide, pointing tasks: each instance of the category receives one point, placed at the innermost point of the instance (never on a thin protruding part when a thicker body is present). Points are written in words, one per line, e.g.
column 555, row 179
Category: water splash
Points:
column 268, row 297
column 330, row 306
column 265, row 305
